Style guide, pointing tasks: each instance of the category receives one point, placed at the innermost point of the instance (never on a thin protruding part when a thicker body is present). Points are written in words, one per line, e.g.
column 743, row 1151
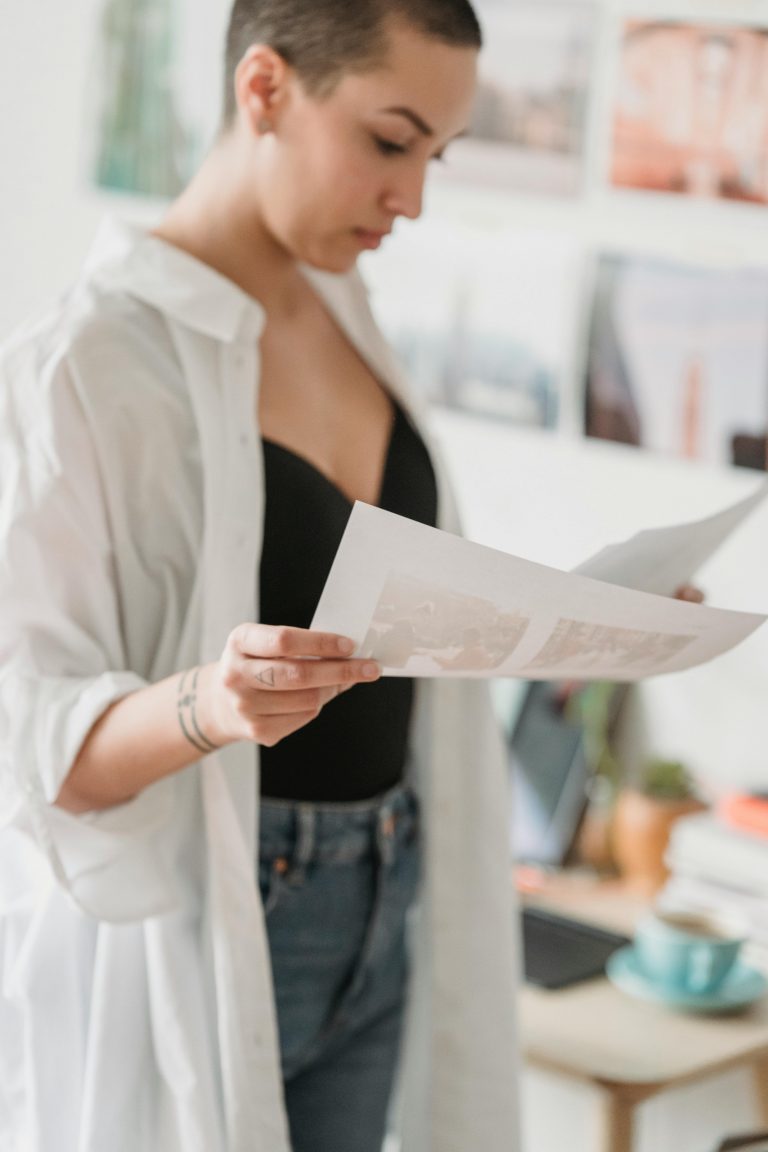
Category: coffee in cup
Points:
column 685, row 952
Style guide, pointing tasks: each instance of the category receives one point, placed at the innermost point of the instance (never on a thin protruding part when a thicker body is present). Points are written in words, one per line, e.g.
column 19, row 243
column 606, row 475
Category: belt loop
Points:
column 305, row 839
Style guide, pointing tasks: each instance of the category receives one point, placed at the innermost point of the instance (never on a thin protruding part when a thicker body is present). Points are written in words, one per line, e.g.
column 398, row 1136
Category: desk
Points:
column 631, row 1050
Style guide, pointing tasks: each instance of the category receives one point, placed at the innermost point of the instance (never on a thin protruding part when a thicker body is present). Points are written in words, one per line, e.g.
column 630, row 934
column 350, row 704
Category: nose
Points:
column 405, row 197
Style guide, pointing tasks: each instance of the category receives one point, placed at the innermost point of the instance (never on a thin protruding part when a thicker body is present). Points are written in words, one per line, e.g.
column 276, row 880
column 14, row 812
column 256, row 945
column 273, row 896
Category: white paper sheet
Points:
column 425, row 603
column 662, row 559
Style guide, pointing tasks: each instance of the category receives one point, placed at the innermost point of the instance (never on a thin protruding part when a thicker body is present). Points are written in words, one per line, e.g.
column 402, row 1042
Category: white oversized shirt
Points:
column 136, row 1007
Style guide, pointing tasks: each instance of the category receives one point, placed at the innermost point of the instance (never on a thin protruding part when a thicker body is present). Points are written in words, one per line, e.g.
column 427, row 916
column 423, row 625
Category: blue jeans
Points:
column 337, row 881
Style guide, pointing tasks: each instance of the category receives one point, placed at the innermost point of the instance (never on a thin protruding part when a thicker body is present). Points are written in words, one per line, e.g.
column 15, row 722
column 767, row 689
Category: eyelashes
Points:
column 390, row 148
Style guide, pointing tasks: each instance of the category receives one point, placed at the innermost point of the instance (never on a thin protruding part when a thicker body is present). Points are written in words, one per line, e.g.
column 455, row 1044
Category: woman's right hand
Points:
column 272, row 680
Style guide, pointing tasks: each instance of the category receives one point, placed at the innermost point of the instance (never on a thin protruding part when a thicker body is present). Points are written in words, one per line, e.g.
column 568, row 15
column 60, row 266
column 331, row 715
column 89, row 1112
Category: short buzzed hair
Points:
column 323, row 39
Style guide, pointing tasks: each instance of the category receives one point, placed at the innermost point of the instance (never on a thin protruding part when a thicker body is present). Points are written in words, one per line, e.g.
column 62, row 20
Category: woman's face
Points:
column 335, row 173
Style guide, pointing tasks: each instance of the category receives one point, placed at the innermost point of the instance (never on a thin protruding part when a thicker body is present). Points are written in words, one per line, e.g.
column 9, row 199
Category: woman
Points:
column 182, row 443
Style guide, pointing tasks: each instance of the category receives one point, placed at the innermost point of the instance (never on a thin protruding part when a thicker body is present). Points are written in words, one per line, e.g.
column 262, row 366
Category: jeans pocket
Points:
column 277, row 879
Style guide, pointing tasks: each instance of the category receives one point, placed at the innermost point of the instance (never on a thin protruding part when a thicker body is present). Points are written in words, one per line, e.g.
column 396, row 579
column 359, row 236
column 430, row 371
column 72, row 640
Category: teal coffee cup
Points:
column 684, row 953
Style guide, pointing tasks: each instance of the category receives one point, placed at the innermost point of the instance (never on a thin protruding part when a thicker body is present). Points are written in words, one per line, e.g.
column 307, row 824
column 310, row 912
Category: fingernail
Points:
column 371, row 671
column 346, row 647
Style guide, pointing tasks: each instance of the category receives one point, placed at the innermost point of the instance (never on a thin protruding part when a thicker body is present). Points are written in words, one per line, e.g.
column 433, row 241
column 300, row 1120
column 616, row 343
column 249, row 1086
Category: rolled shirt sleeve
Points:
column 62, row 661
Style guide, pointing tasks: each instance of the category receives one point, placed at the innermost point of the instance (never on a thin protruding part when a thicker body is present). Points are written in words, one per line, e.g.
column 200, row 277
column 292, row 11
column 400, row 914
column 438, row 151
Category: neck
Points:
column 214, row 222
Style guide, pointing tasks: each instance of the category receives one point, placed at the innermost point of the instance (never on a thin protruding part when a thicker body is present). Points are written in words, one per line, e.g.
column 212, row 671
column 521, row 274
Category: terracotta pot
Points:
column 640, row 833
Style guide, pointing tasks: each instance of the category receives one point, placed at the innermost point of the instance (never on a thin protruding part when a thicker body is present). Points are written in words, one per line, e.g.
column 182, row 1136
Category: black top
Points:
column 356, row 747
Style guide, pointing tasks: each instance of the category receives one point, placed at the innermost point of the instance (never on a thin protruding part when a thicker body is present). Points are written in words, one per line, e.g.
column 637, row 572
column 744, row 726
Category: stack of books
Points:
column 718, row 863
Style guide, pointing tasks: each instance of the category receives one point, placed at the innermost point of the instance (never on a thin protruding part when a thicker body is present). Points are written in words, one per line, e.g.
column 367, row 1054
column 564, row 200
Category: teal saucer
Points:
column 742, row 986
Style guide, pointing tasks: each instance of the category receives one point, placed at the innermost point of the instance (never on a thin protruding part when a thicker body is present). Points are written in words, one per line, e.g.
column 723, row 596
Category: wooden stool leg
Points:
column 760, row 1080
column 617, row 1122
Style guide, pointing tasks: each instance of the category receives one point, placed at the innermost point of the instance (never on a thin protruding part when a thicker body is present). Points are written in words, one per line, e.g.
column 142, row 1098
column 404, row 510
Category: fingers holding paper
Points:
column 272, row 680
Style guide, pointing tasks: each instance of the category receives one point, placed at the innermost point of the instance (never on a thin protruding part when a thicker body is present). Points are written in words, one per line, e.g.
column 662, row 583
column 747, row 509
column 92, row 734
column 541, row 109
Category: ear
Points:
column 261, row 80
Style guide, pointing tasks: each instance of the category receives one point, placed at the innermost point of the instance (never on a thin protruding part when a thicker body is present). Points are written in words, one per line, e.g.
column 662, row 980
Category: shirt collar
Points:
column 130, row 259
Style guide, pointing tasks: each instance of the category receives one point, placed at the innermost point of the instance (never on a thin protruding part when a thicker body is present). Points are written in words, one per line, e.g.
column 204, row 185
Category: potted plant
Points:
column 643, row 816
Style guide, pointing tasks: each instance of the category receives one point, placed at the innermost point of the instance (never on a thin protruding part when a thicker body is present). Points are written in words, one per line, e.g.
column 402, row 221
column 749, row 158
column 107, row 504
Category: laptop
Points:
column 551, row 781
column 551, row 775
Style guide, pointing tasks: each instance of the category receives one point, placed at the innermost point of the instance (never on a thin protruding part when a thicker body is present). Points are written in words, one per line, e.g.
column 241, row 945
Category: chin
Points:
column 336, row 262
column 332, row 257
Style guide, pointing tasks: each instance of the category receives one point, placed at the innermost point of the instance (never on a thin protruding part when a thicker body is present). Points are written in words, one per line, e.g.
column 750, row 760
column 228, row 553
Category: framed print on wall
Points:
column 156, row 93
column 678, row 360
column 691, row 113
column 482, row 321
column 529, row 122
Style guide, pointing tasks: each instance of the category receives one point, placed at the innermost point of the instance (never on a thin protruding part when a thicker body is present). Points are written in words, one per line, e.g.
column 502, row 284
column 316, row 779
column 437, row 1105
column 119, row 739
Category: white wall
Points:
column 46, row 213
column 556, row 500
column 49, row 87
column 551, row 498
column 548, row 498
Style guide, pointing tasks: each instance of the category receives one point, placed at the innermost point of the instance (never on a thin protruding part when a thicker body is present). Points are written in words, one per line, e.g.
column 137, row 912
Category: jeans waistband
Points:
column 337, row 833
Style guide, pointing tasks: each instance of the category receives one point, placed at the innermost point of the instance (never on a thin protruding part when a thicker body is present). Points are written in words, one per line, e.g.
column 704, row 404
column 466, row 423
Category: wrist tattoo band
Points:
column 186, row 710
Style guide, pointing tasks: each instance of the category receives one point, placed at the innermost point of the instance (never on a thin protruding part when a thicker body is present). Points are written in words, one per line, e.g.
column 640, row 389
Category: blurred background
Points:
column 584, row 304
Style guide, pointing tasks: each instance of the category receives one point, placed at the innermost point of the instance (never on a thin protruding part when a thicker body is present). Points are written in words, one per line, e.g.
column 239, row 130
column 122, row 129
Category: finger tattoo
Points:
column 267, row 677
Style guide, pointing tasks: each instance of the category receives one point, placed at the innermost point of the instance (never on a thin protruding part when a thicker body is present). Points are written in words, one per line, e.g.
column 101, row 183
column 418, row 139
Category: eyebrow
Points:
column 414, row 118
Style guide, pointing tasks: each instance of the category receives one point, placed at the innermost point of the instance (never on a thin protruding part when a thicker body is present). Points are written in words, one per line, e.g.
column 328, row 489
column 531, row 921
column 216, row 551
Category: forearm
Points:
column 146, row 736
column 269, row 682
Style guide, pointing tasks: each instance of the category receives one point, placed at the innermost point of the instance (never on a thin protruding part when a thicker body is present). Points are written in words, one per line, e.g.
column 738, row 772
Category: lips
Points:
column 370, row 238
